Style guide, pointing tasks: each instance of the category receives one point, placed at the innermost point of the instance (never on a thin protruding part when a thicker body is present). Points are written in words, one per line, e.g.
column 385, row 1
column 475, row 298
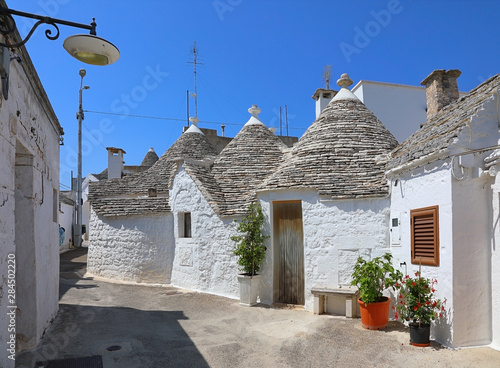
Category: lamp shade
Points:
column 91, row 49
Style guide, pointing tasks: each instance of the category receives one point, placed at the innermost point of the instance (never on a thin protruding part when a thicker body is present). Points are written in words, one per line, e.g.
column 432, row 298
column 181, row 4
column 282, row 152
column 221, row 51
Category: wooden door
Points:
column 288, row 253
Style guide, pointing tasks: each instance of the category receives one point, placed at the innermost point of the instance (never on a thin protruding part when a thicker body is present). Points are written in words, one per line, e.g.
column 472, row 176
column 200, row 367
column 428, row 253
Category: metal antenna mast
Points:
column 195, row 63
column 327, row 73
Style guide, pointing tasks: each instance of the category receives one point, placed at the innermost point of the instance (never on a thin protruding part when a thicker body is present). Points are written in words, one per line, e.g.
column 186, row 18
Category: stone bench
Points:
column 351, row 296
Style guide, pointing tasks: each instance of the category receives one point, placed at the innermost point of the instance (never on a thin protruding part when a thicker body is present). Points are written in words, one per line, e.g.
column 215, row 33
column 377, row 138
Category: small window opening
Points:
column 185, row 225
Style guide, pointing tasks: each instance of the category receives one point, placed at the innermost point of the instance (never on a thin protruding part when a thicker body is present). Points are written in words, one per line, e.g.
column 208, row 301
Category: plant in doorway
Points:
column 251, row 251
column 418, row 306
column 372, row 278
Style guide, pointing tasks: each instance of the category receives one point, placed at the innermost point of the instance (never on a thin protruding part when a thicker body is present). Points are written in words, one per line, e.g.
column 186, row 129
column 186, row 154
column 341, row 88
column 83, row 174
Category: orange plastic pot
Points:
column 375, row 316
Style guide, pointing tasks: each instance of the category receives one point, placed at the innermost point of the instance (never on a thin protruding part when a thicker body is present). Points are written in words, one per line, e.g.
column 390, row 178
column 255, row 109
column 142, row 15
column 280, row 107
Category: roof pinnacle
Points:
column 344, row 81
column 194, row 120
column 255, row 111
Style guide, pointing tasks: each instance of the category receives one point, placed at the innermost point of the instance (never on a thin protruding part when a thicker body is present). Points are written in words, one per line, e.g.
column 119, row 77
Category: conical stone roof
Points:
column 245, row 162
column 150, row 158
column 341, row 154
column 192, row 144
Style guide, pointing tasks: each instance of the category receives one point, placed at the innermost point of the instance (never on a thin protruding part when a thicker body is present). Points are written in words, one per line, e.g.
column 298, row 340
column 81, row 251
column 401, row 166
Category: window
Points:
column 185, row 224
column 424, row 224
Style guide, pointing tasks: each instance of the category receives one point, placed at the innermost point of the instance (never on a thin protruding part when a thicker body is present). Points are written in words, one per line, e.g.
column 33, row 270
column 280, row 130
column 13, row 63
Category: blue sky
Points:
column 265, row 52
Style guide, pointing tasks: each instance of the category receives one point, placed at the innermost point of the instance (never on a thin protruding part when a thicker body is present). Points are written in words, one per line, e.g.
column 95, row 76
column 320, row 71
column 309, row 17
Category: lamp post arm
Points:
column 4, row 28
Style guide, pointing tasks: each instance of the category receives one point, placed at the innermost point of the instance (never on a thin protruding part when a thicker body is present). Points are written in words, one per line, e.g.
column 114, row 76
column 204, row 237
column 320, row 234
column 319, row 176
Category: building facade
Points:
column 30, row 135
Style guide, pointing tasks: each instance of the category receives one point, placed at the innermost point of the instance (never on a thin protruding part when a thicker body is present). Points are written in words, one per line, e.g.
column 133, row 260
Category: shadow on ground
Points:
column 124, row 337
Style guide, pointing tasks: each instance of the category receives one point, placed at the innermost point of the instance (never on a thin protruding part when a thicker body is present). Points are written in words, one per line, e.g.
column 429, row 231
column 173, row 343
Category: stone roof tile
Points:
column 112, row 207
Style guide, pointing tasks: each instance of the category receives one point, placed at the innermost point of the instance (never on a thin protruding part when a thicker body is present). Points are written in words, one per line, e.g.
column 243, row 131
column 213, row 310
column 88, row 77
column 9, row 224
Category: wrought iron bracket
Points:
column 8, row 25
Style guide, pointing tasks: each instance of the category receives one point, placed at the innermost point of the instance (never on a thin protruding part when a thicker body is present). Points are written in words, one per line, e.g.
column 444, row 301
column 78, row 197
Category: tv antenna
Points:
column 195, row 62
column 327, row 73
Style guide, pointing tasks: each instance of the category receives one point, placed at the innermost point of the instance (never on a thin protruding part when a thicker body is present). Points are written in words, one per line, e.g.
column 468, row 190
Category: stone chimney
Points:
column 115, row 162
column 323, row 98
column 441, row 89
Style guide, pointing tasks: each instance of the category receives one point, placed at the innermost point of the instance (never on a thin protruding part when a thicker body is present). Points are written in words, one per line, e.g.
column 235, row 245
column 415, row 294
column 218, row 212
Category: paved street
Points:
column 144, row 326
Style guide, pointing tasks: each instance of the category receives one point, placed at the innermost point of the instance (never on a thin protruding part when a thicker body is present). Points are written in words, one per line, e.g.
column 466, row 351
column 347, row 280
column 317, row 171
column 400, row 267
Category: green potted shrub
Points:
column 418, row 306
column 372, row 278
column 251, row 251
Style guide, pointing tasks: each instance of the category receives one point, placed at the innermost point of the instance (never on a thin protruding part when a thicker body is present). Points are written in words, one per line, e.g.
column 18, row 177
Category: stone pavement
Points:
column 146, row 326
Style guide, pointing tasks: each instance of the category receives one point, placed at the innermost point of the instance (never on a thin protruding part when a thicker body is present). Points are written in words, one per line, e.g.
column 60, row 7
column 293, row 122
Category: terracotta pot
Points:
column 420, row 336
column 375, row 316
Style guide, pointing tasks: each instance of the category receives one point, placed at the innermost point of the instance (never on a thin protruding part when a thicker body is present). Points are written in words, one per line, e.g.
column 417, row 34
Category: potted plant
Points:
column 251, row 251
column 418, row 306
column 372, row 278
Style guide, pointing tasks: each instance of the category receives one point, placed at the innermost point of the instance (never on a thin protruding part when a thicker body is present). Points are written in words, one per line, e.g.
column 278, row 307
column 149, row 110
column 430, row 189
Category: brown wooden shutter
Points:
column 425, row 236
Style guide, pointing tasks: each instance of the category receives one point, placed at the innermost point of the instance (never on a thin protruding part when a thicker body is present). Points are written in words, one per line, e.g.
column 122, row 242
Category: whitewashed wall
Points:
column 427, row 186
column 336, row 233
column 495, row 265
column 204, row 262
column 464, row 238
column 66, row 221
column 472, row 211
column 86, row 204
column 131, row 248
column 26, row 128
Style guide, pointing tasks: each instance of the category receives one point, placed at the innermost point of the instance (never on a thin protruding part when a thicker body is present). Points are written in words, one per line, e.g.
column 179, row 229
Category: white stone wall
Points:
column 472, row 236
column 66, row 221
column 427, row 186
column 336, row 233
column 86, row 204
column 495, row 265
column 26, row 128
column 204, row 262
column 131, row 248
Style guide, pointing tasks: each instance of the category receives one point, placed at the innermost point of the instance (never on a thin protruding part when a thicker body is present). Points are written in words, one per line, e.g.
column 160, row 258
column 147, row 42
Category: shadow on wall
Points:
column 135, row 338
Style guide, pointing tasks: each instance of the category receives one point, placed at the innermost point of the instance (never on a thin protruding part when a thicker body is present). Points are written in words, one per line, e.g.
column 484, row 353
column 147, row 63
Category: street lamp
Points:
column 80, row 117
column 87, row 48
